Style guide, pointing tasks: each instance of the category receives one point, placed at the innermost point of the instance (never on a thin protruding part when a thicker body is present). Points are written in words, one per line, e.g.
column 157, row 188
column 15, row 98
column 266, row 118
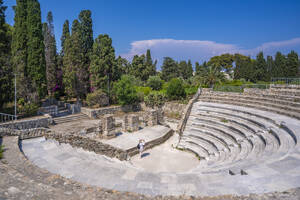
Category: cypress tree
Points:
column 200, row 69
column 279, row 69
column 74, row 73
column 19, row 48
column 270, row 65
column 65, row 35
column 50, row 54
column 292, row 64
column 150, row 66
column 103, row 63
column 260, row 70
column 6, row 71
column 86, row 25
column 36, row 67
column 189, row 70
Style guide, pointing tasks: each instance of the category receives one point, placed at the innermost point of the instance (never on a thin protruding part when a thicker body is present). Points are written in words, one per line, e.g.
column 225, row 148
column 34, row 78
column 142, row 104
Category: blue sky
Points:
column 185, row 29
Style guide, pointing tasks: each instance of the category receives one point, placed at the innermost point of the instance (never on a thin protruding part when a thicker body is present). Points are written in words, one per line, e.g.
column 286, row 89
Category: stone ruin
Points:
column 106, row 127
column 131, row 123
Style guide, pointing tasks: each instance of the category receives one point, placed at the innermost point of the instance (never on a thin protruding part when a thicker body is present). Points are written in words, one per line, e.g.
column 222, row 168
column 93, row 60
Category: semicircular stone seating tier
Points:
column 235, row 131
column 246, row 143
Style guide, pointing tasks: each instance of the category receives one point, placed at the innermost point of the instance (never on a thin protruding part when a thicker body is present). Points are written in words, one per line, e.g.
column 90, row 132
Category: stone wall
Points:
column 130, row 123
column 36, row 122
column 24, row 134
column 187, row 111
column 97, row 113
column 88, row 144
column 173, row 110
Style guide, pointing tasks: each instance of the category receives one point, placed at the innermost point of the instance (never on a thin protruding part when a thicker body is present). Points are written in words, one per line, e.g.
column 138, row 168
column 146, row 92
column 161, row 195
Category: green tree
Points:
column 65, row 35
column 6, row 71
column 270, row 65
column 213, row 75
column 154, row 82
column 19, row 48
column 139, row 68
column 74, row 71
column 292, row 64
column 200, row 69
column 225, row 61
column 123, row 67
column 189, row 71
column 86, row 25
column 50, row 54
column 244, row 67
column 175, row 89
column 103, row 63
column 36, row 56
column 169, row 69
column 279, row 69
column 150, row 66
column 125, row 90
column 260, row 68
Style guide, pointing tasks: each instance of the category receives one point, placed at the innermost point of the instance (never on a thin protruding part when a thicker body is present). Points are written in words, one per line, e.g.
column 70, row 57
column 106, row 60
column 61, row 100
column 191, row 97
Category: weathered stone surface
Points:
column 151, row 117
column 130, row 123
column 108, row 126
column 43, row 121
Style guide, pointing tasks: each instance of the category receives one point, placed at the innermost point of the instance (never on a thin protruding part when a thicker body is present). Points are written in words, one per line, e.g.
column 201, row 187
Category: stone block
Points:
column 108, row 126
column 131, row 123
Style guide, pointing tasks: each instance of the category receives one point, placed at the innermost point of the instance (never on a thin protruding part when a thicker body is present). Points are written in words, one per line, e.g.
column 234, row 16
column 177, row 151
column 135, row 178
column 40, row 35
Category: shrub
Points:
column 144, row 90
column 125, row 91
column 28, row 109
column 155, row 99
column 97, row 98
column 191, row 90
column 175, row 89
column 155, row 82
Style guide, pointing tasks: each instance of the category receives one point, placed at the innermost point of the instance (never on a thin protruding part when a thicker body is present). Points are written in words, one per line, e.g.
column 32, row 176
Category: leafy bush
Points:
column 228, row 88
column 97, row 98
column 175, row 89
column 155, row 82
column 28, row 109
column 144, row 90
column 155, row 99
column 191, row 90
column 125, row 91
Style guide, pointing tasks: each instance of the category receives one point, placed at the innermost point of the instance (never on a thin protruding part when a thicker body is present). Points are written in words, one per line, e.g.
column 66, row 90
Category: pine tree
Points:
column 169, row 69
column 139, row 67
column 36, row 67
column 244, row 67
column 182, row 67
column 6, row 71
column 19, row 48
column 65, row 35
column 74, row 73
column 200, row 69
column 292, row 64
column 50, row 54
column 103, row 63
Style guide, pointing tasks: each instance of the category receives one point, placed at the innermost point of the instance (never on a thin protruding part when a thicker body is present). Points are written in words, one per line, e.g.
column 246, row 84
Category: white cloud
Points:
column 198, row 50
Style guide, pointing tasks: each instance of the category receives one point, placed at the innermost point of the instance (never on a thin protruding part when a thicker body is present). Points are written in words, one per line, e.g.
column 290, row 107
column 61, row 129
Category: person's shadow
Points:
column 145, row 155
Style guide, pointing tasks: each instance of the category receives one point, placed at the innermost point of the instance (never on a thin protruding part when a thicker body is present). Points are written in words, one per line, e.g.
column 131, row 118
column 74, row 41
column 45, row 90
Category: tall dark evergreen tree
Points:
column 189, row 70
column 36, row 67
column 200, row 69
column 292, row 64
column 74, row 71
column 244, row 67
column 270, row 65
column 279, row 68
column 6, row 71
column 169, row 69
column 185, row 69
column 86, row 25
column 50, row 54
column 260, row 69
column 19, row 48
column 139, row 68
column 150, row 66
column 103, row 63
column 65, row 35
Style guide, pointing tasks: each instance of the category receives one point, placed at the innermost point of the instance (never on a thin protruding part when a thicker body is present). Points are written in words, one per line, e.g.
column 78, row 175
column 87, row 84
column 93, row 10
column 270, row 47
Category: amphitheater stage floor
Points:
column 127, row 140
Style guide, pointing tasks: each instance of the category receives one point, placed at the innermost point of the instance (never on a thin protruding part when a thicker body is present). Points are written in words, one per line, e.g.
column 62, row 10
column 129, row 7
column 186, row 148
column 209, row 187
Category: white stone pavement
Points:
column 167, row 171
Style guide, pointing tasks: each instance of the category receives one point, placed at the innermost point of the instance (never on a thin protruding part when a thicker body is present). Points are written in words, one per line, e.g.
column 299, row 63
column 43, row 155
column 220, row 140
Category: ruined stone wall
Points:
column 173, row 110
column 23, row 134
column 97, row 113
column 37, row 122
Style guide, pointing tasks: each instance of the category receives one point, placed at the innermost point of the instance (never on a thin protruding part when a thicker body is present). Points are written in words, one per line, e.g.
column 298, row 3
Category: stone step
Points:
column 294, row 107
column 256, row 98
column 69, row 118
column 291, row 92
column 195, row 148
column 254, row 105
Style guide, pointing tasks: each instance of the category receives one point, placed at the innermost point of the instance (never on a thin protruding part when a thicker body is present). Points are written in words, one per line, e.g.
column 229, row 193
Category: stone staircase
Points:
column 231, row 130
column 70, row 118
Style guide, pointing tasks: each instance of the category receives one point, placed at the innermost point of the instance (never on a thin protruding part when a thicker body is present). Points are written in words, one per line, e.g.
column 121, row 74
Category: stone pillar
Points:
column 151, row 118
column 160, row 116
column 108, row 126
column 131, row 123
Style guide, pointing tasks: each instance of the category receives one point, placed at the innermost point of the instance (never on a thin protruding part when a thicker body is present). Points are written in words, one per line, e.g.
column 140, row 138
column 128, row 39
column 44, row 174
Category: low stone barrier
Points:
column 88, row 144
column 187, row 111
column 97, row 113
column 37, row 122
column 24, row 134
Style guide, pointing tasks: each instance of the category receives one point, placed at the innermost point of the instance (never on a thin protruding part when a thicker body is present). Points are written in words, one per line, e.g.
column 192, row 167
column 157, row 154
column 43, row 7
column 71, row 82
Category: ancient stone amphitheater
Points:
column 247, row 145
